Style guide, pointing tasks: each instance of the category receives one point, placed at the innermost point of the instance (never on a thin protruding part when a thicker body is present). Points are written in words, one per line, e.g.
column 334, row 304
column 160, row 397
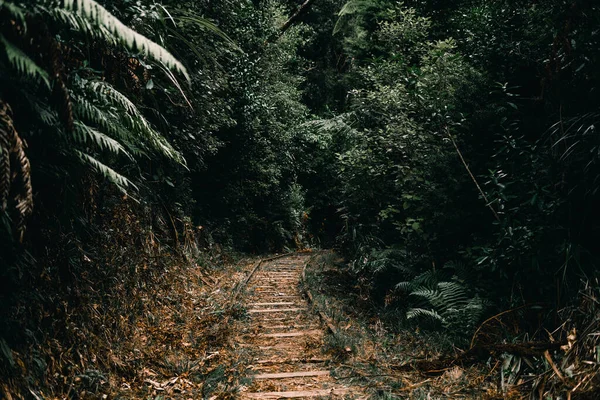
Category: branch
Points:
column 487, row 202
column 294, row 17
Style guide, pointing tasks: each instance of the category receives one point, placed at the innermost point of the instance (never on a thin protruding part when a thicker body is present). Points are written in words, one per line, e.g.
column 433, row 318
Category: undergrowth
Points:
column 131, row 315
column 384, row 351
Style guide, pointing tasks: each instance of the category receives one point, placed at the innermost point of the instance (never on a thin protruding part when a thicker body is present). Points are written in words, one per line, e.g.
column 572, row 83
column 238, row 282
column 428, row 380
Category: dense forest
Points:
column 446, row 149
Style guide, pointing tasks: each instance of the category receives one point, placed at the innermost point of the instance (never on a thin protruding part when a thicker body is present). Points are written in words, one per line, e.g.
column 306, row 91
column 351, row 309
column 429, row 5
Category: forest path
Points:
column 285, row 337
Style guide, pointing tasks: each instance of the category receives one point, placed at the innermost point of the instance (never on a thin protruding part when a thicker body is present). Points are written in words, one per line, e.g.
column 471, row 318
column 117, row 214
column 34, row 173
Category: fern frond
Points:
column 17, row 12
column 429, row 278
column 23, row 64
column 100, row 17
column 48, row 116
column 84, row 133
column 421, row 312
column 431, row 295
column 106, row 120
column 453, row 295
column 132, row 118
column 42, row 109
column 109, row 173
column 404, row 286
column 80, row 24
column 18, row 168
column 24, row 196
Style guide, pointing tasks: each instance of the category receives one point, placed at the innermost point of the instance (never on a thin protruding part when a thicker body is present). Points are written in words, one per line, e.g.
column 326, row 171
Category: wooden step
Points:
column 291, row 334
column 297, row 374
column 278, row 361
column 280, row 274
column 283, row 303
column 304, row 326
column 272, row 293
column 296, row 394
column 271, row 286
column 276, row 310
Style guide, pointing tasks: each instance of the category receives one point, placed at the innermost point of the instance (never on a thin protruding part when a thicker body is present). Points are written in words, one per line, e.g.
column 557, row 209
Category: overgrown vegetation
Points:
column 448, row 150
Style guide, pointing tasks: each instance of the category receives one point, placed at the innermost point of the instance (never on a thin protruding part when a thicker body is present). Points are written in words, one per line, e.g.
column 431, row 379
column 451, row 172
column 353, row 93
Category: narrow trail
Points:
column 285, row 337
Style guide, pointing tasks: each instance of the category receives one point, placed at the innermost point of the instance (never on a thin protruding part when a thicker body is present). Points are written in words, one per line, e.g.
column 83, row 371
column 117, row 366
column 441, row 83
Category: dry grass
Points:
column 131, row 318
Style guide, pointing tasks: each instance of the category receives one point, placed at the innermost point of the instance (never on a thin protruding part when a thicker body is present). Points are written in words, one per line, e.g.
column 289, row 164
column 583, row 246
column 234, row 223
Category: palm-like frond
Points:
column 131, row 118
column 107, row 121
column 15, row 11
column 24, row 64
column 424, row 313
column 100, row 17
column 85, row 134
column 90, row 116
column 122, row 182
column 80, row 24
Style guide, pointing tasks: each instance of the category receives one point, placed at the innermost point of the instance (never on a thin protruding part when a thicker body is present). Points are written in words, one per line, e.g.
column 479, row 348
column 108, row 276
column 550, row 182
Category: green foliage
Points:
column 249, row 190
column 450, row 304
column 23, row 64
column 95, row 20
column 387, row 129
column 440, row 96
column 87, row 117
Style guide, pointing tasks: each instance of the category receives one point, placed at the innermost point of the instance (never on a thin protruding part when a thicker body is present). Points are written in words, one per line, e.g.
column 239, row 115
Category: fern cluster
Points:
column 441, row 296
column 92, row 122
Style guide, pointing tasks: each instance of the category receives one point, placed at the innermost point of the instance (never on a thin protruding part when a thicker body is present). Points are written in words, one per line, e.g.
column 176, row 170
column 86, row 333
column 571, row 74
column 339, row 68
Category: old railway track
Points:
column 284, row 335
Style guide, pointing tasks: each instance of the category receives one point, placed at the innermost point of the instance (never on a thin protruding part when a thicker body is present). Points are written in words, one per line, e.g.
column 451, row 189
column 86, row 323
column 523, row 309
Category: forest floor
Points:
column 299, row 325
column 372, row 351
column 291, row 327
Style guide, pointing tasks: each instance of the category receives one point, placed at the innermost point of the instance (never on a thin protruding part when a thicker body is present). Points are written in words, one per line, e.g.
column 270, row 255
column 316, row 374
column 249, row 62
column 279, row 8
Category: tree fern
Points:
column 100, row 17
column 24, row 64
column 131, row 118
column 84, row 133
column 89, row 116
column 108, row 121
column 15, row 11
column 119, row 180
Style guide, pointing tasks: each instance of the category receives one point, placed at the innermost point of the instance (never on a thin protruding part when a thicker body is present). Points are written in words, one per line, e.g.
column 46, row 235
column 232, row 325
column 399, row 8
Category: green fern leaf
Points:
column 109, row 173
column 431, row 295
column 100, row 17
column 132, row 119
column 23, row 64
column 80, row 24
column 106, row 120
column 84, row 133
column 15, row 11
column 423, row 313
